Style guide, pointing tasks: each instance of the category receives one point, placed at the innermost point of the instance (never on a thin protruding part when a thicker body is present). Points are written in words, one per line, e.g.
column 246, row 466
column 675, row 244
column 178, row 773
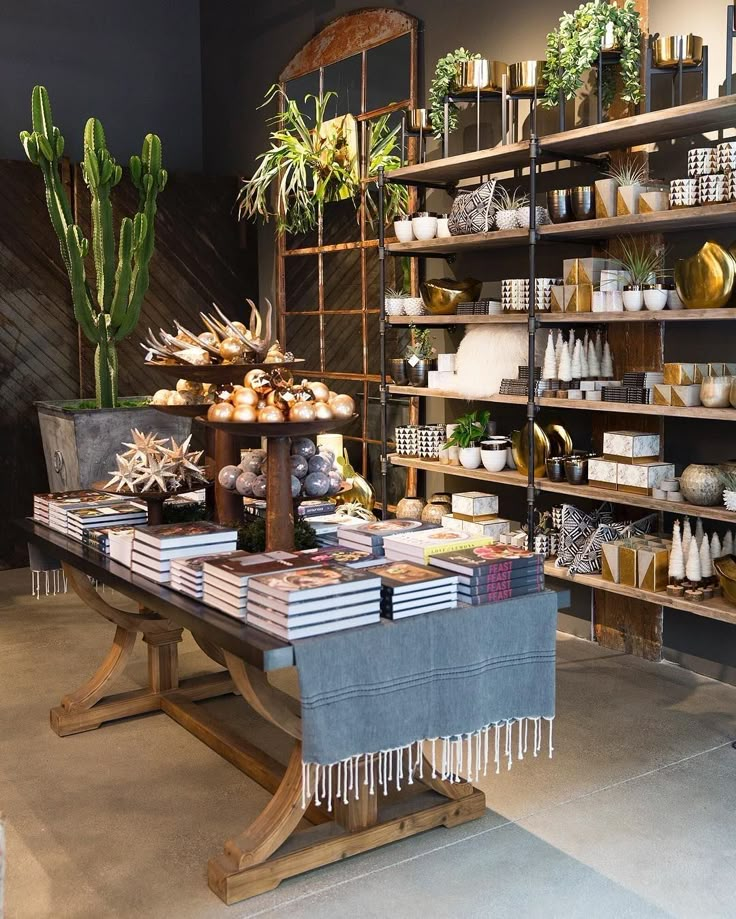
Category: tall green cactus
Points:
column 114, row 312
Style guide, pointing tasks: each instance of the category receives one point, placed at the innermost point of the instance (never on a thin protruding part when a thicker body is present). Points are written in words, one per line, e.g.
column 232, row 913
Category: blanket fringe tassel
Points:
column 452, row 759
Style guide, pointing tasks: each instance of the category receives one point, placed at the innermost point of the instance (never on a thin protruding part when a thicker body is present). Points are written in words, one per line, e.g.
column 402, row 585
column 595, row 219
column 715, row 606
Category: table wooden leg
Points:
column 163, row 660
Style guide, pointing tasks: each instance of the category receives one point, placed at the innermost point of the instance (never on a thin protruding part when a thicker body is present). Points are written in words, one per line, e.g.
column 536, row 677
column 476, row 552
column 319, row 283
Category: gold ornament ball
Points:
column 245, row 396
column 245, row 413
column 240, row 327
column 342, row 406
column 270, row 415
column 322, row 411
column 320, row 391
column 208, row 338
column 190, row 386
column 302, row 411
column 231, row 349
column 259, row 381
column 332, row 395
column 220, row 411
column 160, row 397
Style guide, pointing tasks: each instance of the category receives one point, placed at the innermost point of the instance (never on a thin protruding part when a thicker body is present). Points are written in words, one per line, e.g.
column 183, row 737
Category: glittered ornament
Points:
column 336, row 482
column 299, row 466
column 303, row 446
column 228, row 476
column 316, row 484
column 259, row 487
column 244, row 483
column 320, row 463
column 296, row 487
column 250, row 461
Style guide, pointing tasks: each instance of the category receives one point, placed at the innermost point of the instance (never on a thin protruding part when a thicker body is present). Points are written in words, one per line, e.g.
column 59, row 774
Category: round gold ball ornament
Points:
column 244, row 414
column 258, row 381
column 231, row 350
column 322, row 411
column 302, row 411
column 244, row 396
column 220, row 411
column 271, row 415
column 320, row 391
column 342, row 406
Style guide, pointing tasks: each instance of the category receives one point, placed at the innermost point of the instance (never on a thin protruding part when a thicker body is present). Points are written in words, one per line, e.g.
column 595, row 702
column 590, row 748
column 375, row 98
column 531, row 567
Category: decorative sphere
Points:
column 316, row 484
column 322, row 411
column 303, row 446
column 259, row 381
column 320, row 391
column 302, row 411
column 223, row 392
column 190, row 386
column 245, row 396
column 220, row 411
column 270, row 415
column 336, row 482
column 251, row 462
column 320, row 463
column 328, row 454
column 240, row 327
column 244, row 483
column 245, row 413
column 342, row 406
column 161, row 397
column 259, row 487
column 177, row 398
column 296, row 487
column 299, row 466
column 332, row 395
column 231, row 349
column 208, row 338
column 228, row 476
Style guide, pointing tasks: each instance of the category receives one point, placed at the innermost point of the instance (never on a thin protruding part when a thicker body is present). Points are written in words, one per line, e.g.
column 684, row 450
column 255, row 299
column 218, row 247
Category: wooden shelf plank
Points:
column 717, row 608
column 501, row 318
column 494, row 239
column 666, row 124
column 581, row 405
column 516, row 479
column 721, row 315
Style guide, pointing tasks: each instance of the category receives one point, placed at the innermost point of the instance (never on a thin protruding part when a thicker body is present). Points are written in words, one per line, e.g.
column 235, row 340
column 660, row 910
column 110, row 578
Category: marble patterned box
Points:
column 640, row 479
column 602, row 473
column 630, row 447
column 472, row 504
column 491, row 528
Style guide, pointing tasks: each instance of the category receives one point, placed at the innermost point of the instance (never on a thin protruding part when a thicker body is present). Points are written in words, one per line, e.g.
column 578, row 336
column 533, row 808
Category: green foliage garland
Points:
column 443, row 82
column 572, row 49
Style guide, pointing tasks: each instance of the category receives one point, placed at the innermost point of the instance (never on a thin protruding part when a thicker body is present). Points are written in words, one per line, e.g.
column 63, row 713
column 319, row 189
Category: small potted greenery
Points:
column 443, row 83
column 508, row 203
column 395, row 301
column 641, row 263
column 419, row 356
column 468, row 432
column 619, row 192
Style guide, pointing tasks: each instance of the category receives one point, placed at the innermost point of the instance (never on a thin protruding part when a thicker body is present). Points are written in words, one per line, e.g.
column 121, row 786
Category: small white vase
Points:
column 507, row 220
column 673, row 300
column 470, row 457
column 633, row 300
column 443, row 228
column 424, row 227
column 655, row 299
column 403, row 230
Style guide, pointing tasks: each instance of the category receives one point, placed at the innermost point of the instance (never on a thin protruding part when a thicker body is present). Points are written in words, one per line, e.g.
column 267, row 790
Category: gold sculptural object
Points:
column 560, row 442
column 726, row 569
column 442, row 295
column 360, row 491
column 706, row 279
column 520, row 450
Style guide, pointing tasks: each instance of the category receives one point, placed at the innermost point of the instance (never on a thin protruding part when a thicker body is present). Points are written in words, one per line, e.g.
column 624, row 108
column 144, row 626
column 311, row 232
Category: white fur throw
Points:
column 489, row 354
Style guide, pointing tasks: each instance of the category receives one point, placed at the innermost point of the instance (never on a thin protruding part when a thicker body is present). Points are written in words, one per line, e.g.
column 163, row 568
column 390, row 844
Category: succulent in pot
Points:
column 395, row 301
column 508, row 205
column 642, row 264
column 468, row 432
column 419, row 356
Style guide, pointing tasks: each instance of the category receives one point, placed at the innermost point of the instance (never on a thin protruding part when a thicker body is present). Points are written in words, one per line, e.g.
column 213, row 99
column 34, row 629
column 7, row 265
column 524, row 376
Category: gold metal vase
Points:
column 520, row 450
column 706, row 279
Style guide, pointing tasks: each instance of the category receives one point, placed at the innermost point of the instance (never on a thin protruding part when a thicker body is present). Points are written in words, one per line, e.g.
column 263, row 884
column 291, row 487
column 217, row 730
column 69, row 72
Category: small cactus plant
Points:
column 112, row 314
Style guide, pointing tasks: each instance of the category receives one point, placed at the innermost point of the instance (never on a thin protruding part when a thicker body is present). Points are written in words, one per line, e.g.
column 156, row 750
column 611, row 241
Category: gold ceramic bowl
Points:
column 520, row 450
column 726, row 568
column 442, row 295
column 666, row 50
column 706, row 279
column 524, row 76
column 481, row 73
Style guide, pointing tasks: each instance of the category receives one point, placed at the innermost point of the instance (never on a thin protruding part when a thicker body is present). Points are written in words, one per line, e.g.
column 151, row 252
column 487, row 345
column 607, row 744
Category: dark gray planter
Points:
column 418, row 373
column 79, row 445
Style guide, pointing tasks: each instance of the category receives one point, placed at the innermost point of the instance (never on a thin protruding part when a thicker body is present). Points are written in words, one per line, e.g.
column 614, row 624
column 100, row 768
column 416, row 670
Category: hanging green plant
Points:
column 383, row 147
column 443, row 82
column 572, row 50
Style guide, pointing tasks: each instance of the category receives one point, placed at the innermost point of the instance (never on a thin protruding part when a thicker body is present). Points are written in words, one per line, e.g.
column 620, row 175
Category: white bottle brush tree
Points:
column 676, row 570
column 549, row 367
column 706, row 563
column 692, row 569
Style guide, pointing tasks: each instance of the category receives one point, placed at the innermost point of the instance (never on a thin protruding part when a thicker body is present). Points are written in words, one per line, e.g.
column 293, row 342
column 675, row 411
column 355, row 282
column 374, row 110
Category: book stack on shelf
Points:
column 487, row 574
column 420, row 546
column 102, row 538
column 326, row 526
column 297, row 604
column 226, row 580
column 154, row 547
column 343, row 555
column 42, row 503
column 371, row 536
column 79, row 520
column 60, row 505
column 408, row 589
column 187, row 574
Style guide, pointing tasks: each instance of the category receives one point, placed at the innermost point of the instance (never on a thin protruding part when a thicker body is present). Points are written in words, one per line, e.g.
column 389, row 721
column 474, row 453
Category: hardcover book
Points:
column 374, row 533
column 410, row 577
column 478, row 559
column 290, row 632
column 170, row 535
column 343, row 555
column 239, row 567
column 325, row 582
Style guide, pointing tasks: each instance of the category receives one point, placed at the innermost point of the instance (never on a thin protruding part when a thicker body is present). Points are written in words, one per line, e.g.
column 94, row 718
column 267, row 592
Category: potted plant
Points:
column 443, row 83
column 79, row 444
column 641, row 263
column 619, row 192
column 419, row 356
column 469, row 430
column 657, row 293
column 573, row 48
column 507, row 207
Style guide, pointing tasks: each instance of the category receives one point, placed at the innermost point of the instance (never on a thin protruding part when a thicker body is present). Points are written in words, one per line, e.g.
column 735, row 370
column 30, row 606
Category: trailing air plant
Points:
column 382, row 146
column 627, row 171
column 640, row 261
column 113, row 313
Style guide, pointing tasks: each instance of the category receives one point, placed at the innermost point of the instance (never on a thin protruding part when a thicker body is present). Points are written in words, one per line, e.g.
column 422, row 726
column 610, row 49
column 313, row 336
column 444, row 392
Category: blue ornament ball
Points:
column 299, row 466
column 320, row 463
column 227, row 477
column 328, row 455
column 316, row 485
column 336, row 481
column 296, row 487
column 259, row 487
column 303, row 446
column 251, row 461
column 244, row 484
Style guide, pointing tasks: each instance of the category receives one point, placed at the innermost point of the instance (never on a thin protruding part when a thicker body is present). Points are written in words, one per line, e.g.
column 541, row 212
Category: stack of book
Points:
column 154, row 547
column 421, row 546
column 487, row 574
column 59, row 506
column 371, row 536
column 343, row 555
column 187, row 574
column 297, row 604
column 81, row 519
column 408, row 589
column 102, row 538
column 326, row 526
column 42, row 502
column 226, row 580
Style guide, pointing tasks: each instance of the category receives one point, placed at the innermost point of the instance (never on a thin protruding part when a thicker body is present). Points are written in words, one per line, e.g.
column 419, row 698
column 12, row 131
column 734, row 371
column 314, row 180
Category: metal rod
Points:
column 531, row 405
column 730, row 16
column 477, row 117
column 600, row 86
column 446, row 132
column 382, row 332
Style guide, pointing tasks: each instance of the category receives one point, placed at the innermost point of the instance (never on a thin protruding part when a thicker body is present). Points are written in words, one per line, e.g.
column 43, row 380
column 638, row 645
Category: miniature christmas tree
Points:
column 706, row 565
column 676, row 568
column 586, row 341
column 687, row 536
column 692, row 569
column 558, row 346
column 585, row 369
column 607, row 363
column 594, row 367
column 571, row 342
column 728, row 543
column 715, row 547
column 577, row 361
column 599, row 346
column 564, row 370
column 549, row 368
column 699, row 534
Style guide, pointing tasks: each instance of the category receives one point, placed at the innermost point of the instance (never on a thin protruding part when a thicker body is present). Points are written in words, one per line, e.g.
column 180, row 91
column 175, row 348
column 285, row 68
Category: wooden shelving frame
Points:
column 579, row 144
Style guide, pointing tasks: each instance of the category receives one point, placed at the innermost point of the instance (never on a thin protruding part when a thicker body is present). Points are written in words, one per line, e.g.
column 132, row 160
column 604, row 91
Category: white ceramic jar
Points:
column 655, row 298
column 443, row 228
column 633, row 299
column 469, row 457
column 673, row 300
column 403, row 228
column 424, row 225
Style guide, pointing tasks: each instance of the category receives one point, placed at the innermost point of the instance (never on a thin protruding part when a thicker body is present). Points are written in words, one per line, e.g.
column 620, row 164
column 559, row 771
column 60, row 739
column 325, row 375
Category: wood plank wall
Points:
column 202, row 254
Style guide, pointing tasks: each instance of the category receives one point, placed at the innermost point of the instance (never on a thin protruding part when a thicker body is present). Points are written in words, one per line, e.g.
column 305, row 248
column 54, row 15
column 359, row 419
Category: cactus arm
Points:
column 123, row 273
column 105, row 367
column 81, row 297
column 100, row 171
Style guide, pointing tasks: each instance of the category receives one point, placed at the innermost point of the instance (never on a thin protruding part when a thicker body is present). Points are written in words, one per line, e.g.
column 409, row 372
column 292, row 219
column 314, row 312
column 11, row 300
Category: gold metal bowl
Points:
column 667, row 49
column 706, row 279
column 479, row 74
column 418, row 119
column 442, row 295
column 520, row 450
column 726, row 569
column 524, row 76
column 560, row 442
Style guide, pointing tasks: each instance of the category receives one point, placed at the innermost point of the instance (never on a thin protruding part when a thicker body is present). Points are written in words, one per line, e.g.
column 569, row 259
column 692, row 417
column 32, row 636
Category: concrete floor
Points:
column 634, row 815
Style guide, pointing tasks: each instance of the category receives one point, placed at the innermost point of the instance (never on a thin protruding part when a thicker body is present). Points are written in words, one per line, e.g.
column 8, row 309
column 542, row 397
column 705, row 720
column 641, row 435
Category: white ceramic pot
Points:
column 469, row 457
column 673, row 300
column 394, row 306
column 599, row 301
column 414, row 306
column 443, row 229
column 633, row 300
column 424, row 227
column 493, row 454
column 655, row 299
column 404, row 230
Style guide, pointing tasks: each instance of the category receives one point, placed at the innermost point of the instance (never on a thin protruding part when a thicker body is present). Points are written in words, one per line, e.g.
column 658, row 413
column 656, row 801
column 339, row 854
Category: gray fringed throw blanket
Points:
column 447, row 685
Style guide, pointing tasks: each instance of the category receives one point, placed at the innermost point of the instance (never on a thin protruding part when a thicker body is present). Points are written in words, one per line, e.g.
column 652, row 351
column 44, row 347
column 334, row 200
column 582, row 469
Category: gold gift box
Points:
column 680, row 374
column 662, row 394
column 610, row 568
column 557, row 299
column 578, row 298
column 653, row 565
column 583, row 270
column 686, row 396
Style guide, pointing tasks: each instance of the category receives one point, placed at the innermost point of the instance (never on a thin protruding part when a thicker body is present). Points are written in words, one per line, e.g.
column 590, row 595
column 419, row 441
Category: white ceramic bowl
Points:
column 493, row 454
column 633, row 300
column 424, row 227
column 404, row 230
column 655, row 299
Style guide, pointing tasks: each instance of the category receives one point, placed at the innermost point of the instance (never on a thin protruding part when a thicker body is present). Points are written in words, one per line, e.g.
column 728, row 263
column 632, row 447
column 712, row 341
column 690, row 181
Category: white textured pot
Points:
column 633, row 300
column 673, row 300
column 469, row 457
column 655, row 299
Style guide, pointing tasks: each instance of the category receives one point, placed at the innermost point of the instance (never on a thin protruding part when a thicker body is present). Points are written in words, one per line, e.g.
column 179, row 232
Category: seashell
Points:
column 196, row 356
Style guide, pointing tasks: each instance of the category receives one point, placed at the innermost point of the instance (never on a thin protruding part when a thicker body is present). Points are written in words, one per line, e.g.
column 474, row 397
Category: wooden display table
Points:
column 272, row 848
